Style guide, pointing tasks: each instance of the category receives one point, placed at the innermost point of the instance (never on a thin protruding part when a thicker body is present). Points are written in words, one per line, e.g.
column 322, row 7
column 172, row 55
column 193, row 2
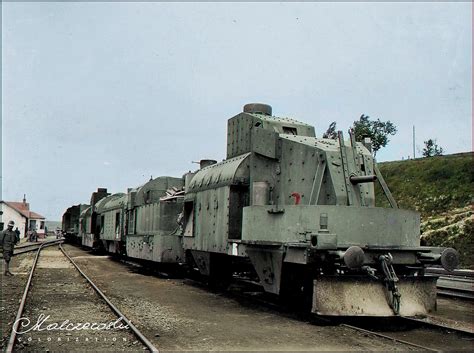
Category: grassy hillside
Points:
column 452, row 229
column 430, row 185
column 442, row 190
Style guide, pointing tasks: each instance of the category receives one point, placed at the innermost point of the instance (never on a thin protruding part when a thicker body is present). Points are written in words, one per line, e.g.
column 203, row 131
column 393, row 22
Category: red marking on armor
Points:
column 297, row 197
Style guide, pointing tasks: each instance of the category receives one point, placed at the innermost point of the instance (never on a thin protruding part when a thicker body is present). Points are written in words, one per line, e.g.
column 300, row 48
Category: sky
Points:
column 109, row 94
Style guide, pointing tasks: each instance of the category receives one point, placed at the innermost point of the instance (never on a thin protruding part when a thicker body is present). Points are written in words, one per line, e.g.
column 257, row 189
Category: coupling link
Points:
column 390, row 280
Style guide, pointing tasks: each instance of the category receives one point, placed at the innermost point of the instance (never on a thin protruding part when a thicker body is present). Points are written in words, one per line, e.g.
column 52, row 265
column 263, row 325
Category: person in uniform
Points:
column 7, row 243
column 34, row 236
column 17, row 232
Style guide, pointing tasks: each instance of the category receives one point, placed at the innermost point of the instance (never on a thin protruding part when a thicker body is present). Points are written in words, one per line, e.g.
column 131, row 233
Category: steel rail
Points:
column 34, row 247
column 454, row 284
column 135, row 330
column 21, row 246
column 438, row 326
column 390, row 338
column 455, row 294
column 456, row 273
column 27, row 245
column 11, row 341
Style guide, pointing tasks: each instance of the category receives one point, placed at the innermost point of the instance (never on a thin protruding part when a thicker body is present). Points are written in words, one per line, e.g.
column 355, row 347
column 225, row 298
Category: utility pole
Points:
column 413, row 141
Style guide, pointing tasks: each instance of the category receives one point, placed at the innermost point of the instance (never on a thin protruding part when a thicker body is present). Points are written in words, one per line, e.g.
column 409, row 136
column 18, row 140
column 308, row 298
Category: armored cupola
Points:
column 203, row 163
column 256, row 124
column 258, row 108
column 98, row 195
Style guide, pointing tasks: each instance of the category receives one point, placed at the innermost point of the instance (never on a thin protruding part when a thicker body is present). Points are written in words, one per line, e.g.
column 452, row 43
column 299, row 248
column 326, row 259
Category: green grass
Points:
column 442, row 189
column 429, row 185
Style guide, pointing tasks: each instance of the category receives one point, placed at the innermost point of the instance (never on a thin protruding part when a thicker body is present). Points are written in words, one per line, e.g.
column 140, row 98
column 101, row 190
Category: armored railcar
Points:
column 70, row 223
column 89, row 227
column 152, row 228
column 302, row 209
column 110, row 222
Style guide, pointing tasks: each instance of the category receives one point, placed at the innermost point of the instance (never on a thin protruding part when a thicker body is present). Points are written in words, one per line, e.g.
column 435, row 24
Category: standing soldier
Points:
column 7, row 242
column 34, row 236
column 17, row 232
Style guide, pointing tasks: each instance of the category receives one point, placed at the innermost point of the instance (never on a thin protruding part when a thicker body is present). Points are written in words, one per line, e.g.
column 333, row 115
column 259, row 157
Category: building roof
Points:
column 36, row 215
column 23, row 208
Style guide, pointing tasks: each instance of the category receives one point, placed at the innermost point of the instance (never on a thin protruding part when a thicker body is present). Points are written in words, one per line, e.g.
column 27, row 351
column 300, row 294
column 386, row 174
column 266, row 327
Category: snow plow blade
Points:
column 362, row 296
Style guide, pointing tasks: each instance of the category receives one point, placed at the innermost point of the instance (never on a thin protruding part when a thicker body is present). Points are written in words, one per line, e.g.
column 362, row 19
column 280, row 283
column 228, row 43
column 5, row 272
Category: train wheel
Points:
column 220, row 275
column 296, row 288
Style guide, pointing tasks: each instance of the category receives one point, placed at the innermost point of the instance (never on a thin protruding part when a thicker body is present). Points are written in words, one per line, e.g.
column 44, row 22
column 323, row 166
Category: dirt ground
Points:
column 457, row 313
column 12, row 291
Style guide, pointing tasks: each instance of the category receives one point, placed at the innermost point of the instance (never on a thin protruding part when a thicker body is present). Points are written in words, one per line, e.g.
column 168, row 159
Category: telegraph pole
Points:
column 413, row 141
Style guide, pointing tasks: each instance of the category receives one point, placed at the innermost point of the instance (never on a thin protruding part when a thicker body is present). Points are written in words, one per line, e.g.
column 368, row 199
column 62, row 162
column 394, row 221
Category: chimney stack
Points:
column 25, row 205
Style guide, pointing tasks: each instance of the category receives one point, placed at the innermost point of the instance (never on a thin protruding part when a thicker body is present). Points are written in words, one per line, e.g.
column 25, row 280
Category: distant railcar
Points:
column 86, row 232
column 110, row 213
column 70, row 223
column 152, row 231
column 89, row 226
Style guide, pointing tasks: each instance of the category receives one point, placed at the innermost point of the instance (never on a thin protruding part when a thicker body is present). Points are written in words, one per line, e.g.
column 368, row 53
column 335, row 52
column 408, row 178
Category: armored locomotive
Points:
column 301, row 210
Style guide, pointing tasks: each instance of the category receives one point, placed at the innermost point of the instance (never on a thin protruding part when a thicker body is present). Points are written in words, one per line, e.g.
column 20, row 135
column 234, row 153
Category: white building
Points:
column 25, row 220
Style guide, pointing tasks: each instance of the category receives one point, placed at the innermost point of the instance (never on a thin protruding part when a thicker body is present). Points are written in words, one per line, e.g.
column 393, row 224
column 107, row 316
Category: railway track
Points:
column 44, row 281
column 456, row 284
column 416, row 333
column 34, row 247
column 390, row 338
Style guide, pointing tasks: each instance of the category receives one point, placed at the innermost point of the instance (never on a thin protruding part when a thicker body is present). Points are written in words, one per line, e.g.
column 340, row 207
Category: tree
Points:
column 377, row 130
column 331, row 132
column 431, row 148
